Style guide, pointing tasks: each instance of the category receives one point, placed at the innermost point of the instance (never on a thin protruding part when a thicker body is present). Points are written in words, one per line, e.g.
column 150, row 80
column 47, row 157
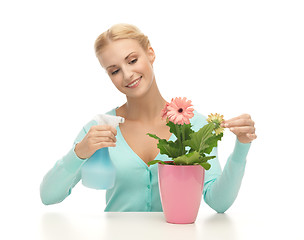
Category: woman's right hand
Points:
column 99, row 136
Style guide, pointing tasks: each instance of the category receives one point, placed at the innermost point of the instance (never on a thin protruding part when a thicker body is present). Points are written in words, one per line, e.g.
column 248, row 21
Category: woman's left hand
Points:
column 242, row 126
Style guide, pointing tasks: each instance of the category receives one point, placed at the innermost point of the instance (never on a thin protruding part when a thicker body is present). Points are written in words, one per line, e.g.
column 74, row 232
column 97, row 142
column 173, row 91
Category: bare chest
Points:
column 143, row 145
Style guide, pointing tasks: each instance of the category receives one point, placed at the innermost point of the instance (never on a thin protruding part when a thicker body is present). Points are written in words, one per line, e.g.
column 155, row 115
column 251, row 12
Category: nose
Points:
column 128, row 73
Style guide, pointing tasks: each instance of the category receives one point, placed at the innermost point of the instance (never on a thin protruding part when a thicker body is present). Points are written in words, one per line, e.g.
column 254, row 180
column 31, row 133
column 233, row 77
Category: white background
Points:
column 230, row 57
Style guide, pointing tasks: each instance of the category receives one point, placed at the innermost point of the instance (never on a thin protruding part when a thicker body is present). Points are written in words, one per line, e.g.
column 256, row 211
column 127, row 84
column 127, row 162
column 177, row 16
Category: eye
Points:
column 134, row 61
column 115, row 72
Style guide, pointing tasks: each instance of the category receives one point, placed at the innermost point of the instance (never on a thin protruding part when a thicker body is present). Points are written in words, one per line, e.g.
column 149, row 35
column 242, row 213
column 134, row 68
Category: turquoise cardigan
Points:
column 136, row 186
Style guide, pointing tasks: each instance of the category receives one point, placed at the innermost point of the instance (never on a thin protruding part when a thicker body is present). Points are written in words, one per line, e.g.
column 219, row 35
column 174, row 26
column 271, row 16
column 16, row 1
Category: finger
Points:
column 251, row 136
column 104, row 134
column 103, row 139
column 243, row 116
column 106, row 127
column 105, row 144
column 99, row 136
column 245, row 129
column 238, row 123
column 231, row 120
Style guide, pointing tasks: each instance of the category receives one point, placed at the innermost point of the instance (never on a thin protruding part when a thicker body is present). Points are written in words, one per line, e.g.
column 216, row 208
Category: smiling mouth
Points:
column 134, row 82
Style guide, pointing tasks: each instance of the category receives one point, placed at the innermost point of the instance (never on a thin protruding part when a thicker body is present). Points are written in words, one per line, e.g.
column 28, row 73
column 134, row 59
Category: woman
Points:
column 127, row 56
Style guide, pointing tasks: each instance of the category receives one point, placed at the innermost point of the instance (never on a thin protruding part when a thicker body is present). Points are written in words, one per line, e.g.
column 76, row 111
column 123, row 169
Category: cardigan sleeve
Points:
column 221, row 187
column 221, row 190
column 57, row 184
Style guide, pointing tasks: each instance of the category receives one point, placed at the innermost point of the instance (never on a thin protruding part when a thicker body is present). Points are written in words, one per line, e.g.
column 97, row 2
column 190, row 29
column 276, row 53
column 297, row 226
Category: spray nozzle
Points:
column 106, row 119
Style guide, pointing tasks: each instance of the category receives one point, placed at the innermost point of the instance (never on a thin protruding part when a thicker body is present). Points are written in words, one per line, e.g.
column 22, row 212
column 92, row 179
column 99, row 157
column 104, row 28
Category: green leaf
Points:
column 155, row 161
column 201, row 142
column 191, row 150
column 205, row 165
column 153, row 135
column 206, row 134
column 205, row 159
column 170, row 148
column 212, row 142
column 199, row 139
column 188, row 131
column 172, row 127
column 185, row 127
column 188, row 159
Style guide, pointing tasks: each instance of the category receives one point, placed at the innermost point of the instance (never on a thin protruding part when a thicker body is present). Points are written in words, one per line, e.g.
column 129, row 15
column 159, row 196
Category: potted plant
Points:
column 181, row 180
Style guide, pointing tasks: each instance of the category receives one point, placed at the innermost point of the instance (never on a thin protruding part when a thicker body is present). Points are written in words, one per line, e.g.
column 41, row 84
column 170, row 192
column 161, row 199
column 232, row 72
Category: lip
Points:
column 133, row 82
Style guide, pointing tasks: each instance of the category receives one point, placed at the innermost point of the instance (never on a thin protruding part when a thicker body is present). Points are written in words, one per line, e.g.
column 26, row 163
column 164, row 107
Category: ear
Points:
column 151, row 54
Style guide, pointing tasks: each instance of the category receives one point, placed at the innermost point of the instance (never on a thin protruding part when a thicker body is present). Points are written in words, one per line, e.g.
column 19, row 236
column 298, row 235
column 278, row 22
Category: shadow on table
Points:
column 219, row 226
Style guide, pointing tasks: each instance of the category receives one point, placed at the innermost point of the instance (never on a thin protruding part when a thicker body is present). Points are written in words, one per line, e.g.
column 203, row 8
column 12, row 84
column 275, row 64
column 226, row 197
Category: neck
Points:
column 147, row 108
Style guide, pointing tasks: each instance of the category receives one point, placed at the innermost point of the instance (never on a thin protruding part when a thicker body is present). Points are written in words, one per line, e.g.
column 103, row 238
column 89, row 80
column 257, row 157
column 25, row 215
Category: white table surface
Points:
column 144, row 225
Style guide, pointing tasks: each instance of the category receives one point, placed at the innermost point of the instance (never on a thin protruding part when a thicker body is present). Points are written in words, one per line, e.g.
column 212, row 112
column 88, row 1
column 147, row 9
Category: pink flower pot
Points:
column 181, row 190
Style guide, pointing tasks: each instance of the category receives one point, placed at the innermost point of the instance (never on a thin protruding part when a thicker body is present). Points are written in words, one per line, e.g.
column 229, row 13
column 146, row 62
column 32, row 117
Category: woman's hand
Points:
column 99, row 136
column 242, row 126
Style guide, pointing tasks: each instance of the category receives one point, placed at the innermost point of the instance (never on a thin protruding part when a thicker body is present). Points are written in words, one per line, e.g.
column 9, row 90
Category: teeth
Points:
column 131, row 85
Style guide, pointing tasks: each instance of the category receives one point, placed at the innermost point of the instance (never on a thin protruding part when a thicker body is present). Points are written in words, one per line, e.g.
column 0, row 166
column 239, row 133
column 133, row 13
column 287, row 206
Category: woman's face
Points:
column 126, row 63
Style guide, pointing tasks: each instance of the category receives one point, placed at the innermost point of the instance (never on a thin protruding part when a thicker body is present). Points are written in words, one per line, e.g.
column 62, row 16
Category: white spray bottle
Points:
column 98, row 171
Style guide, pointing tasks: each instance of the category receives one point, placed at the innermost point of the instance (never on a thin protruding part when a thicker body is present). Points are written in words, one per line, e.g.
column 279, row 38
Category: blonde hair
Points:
column 120, row 31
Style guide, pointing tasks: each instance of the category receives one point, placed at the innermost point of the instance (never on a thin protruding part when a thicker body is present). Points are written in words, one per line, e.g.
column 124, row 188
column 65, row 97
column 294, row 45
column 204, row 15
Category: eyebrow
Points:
column 125, row 59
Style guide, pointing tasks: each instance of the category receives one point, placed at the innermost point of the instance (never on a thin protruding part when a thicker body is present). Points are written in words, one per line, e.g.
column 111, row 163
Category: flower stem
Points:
column 179, row 137
column 183, row 138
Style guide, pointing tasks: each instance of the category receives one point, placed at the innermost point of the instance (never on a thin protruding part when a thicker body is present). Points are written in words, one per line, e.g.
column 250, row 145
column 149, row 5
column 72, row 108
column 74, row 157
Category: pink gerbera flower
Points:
column 178, row 111
column 164, row 111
